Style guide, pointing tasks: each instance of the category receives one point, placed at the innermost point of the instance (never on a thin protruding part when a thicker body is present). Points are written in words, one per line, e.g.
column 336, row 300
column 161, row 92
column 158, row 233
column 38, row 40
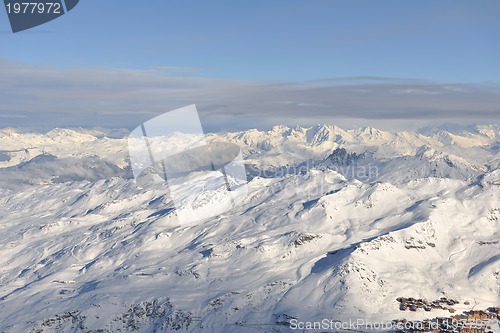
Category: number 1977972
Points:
column 34, row 8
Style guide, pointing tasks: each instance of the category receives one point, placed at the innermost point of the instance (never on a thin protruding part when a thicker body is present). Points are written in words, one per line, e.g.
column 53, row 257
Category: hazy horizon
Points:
column 49, row 97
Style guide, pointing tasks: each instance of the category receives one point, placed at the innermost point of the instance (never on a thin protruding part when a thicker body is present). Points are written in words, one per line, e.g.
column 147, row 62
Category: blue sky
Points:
column 289, row 42
column 273, row 40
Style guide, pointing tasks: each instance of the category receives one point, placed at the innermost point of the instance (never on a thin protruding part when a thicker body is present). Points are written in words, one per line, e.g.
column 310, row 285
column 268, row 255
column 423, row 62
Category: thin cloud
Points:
column 51, row 97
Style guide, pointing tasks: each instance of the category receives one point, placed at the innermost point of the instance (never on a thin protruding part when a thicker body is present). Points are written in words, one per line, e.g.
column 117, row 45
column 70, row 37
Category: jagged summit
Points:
column 340, row 156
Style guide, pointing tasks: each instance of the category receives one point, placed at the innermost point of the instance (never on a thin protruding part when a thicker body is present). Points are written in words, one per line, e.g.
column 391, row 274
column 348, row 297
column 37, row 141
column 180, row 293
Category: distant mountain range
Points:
column 337, row 224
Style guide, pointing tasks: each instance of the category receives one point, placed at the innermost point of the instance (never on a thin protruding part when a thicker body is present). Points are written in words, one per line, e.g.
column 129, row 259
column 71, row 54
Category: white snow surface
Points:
column 337, row 224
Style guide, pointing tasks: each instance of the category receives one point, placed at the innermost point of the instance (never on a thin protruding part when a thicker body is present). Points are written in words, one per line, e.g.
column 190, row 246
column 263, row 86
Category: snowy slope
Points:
column 337, row 224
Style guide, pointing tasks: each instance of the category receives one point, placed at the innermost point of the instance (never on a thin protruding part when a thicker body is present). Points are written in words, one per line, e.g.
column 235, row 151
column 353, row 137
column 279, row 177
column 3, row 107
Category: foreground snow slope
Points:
column 337, row 224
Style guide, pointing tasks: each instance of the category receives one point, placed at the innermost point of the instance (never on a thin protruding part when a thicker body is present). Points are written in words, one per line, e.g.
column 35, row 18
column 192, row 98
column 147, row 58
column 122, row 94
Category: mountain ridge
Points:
column 85, row 248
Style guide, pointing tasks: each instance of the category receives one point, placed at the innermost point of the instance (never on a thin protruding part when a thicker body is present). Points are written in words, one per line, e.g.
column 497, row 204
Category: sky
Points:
column 116, row 63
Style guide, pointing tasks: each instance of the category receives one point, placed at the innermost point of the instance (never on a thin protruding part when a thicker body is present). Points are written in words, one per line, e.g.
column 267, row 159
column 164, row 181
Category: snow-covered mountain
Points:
column 337, row 224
